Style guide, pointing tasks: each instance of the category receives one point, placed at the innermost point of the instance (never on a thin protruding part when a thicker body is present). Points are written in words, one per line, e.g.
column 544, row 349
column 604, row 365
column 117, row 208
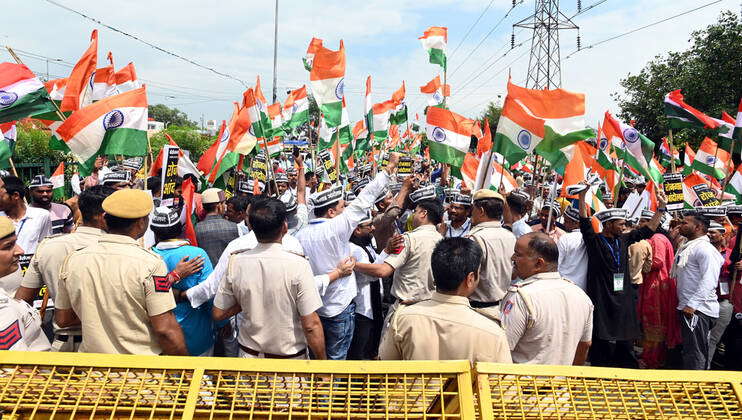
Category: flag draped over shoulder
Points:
column 21, row 93
column 327, row 80
column 434, row 41
column 116, row 125
column 79, row 90
column 682, row 115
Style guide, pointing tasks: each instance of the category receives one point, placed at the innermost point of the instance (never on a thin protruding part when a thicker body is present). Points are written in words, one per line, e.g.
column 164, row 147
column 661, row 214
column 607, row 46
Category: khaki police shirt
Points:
column 46, row 262
column 640, row 260
column 497, row 245
column 413, row 276
column 443, row 328
column 114, row 287
column 560, row 316
column 274, row 288
column 20, row 326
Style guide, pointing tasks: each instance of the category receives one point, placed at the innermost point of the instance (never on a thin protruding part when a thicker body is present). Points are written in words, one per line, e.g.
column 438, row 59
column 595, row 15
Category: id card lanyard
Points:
column 615, row 249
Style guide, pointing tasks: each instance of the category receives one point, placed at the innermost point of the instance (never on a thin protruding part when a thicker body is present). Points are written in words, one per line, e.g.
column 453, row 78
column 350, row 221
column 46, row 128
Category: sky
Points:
column 236, row 37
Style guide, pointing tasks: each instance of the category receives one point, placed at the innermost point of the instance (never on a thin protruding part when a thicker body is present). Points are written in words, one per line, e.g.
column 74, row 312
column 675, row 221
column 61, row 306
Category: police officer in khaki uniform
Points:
column 20, row 324
column 548, row 319
column 446, row 327
column 410, row 265
column 51, row 253
column 118, row 291
column 497, row 245
column 274, row 289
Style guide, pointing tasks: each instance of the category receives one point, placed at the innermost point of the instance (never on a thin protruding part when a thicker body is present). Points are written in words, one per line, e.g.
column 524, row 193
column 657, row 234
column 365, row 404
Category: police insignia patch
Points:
column 162, row 284
column 10, row 335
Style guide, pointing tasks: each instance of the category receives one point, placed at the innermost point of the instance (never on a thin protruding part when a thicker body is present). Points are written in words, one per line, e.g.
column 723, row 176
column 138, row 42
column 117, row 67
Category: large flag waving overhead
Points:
column 399, row 115
column 682, row 115
column 104, row 81
column 545, row 122
column 636, row 151
column 116, row 125
column 434, row 40
column 21, row 93
column 126, row 79
column 296, row 108
column 78, row 92
column 314, row 45
column 327, row 80
column 449, row 135
column 380, row 121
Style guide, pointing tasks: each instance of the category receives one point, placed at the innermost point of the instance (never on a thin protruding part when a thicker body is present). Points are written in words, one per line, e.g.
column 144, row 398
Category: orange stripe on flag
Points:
column 557, row 103
column 515, row 112
column 436, row 31
column 451, row 121
column 82, row 118
column 328, row 64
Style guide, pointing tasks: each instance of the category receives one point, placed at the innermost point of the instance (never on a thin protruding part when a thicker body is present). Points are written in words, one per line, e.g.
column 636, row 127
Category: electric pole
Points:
column 544, row 66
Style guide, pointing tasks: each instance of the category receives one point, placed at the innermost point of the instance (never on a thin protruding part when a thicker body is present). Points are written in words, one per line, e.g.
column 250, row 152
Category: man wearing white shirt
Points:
column 696, row 268
column 32, row 224
column 572, row 252
column 516, row 201
column 326, row 242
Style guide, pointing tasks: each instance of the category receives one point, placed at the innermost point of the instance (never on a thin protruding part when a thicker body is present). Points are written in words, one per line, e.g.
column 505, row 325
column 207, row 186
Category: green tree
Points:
column 187, row 138
column 170, row 116
column 491, row 113
column 32, row 145
column 709, row 74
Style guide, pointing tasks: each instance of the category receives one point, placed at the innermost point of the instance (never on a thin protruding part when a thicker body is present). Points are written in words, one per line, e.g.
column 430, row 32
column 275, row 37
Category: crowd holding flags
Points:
column 101, row 110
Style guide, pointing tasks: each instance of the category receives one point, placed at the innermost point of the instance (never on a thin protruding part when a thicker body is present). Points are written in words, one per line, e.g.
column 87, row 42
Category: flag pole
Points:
column 269, row 166
column 734, row 169
column 533, row 183
column 672, row 150
column 336, row 146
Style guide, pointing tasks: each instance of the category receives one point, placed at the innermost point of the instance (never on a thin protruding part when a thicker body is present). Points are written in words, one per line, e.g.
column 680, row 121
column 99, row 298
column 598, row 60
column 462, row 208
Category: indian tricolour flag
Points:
column 735, row 184
column 327, row 81
column 78, row 92
column 258, row 127
column 712, row 160
column 434, row 41
column 116, row 125
column 314, row 45
column 380, row 120
column 688, row 158
column 274, row 113
column 126, row 79
column 57, row 180
column 681, row 115
column 104, row 81
column 545, row 122
column 21, row 93
column 7, row 142
column 235, row 139
column 275, row 145
column 449, row 135
column 435, row 91
column 296, row 108
column 636, row 150
column 399, row 114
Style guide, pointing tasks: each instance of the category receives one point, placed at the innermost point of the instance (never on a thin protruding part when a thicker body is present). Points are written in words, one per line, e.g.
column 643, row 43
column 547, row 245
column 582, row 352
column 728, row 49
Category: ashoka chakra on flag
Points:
column 113, row 119
column 7, row 98
column 524, row 139
column 439, row 135
column 340, row 88
column 631, row 135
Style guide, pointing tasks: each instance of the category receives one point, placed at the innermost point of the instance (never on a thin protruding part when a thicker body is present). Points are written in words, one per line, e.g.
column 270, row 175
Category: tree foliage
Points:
column 32, row 145
column 170, row 116
column 491, row 113
column 186, row 137
column 709, row 74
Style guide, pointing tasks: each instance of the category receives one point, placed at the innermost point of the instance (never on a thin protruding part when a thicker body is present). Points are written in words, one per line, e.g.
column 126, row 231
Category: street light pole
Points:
column 275, row 52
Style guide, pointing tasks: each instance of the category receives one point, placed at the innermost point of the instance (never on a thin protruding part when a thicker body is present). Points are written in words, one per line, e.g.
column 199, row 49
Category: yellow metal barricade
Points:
column 567, row 392
column 67, row 385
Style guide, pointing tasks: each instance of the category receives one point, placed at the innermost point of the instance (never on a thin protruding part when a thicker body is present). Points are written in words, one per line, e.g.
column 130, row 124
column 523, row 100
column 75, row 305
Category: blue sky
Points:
column 236, row 37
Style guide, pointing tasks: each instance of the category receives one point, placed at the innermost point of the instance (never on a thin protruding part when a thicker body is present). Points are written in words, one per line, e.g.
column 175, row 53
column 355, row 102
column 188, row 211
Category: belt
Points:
column 65, row 338
column 475, row 304
column 256, row 353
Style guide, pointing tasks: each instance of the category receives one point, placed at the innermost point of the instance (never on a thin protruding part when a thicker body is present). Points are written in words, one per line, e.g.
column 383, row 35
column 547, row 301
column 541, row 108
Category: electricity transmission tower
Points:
column 544, row 66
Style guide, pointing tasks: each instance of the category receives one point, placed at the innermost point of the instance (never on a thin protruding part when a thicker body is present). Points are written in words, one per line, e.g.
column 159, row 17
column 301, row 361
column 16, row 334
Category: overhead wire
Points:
column 471, row 27
column 156, row 47
column 641, row 28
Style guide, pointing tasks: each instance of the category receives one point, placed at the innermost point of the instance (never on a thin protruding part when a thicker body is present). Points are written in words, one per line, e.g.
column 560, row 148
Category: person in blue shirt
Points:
column 198, row 327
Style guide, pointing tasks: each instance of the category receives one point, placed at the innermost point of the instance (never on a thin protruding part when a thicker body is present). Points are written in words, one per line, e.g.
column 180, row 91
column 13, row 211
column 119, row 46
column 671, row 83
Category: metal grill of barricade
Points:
column 66, row 385
column 567, row 392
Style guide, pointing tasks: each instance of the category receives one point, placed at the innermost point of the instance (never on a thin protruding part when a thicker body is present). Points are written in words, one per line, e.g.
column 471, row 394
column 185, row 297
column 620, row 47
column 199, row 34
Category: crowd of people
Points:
column 380, row 266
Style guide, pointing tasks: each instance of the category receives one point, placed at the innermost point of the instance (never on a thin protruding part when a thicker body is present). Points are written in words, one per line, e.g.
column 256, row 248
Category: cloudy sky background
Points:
column 236, row 37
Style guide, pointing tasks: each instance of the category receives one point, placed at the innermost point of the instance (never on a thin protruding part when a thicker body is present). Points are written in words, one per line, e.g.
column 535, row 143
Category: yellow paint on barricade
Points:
column 569, row 392
column 69, row 385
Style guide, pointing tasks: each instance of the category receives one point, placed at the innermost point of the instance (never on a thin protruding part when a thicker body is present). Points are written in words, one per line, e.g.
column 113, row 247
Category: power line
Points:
column 640, row 28
column 178, row 56
column 487, row 36
column 471, row 27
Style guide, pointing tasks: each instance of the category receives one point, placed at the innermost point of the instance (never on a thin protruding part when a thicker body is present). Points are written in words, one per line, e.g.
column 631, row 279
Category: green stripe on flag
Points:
column 446, row 154
column 36, row 102
column 124, row 141
column 332, row 113
column 437, row 56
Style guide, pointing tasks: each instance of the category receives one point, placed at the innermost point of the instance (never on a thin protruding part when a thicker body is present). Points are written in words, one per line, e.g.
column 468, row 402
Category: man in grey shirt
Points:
column 696, row 268
column 215, row 232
